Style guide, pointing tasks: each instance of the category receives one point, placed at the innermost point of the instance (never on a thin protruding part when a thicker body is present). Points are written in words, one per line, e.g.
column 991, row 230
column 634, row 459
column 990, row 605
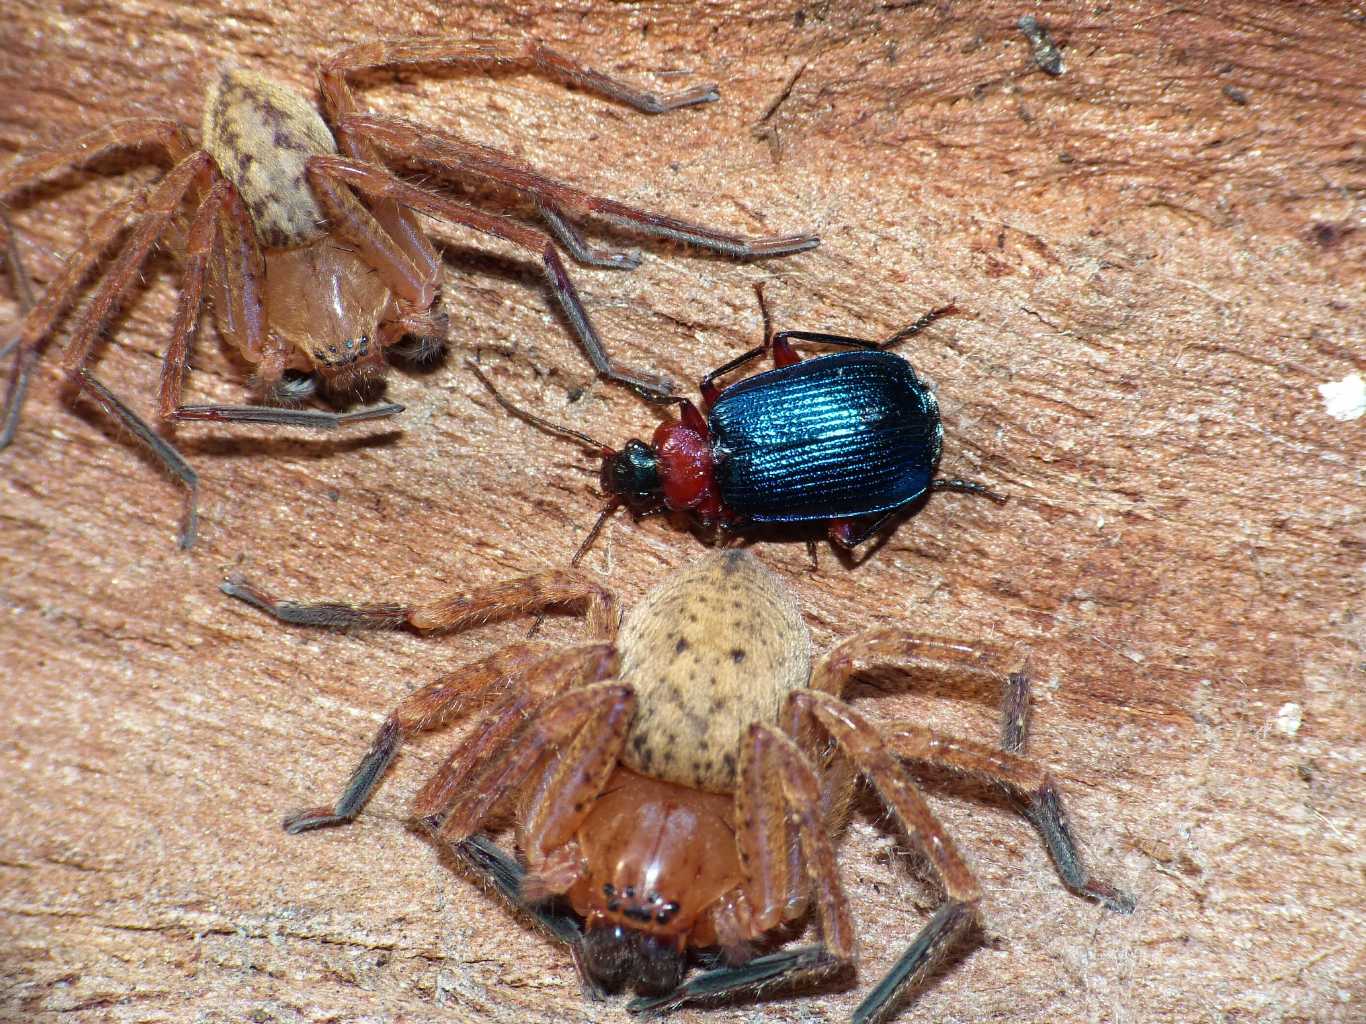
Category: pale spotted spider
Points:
column 310, row 284
column 675, row 783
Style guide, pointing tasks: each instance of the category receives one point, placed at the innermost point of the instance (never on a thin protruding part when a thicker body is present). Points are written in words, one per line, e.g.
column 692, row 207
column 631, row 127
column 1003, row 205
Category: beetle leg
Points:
column 911, row 330
column 782, row 337
column 708, row 387
column 844, row 533
column 960, row 486
column 783, row 353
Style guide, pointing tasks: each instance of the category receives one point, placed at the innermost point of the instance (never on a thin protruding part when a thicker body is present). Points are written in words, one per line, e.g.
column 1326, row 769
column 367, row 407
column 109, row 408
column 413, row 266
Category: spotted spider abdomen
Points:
column 717, row 647
column 261, row 135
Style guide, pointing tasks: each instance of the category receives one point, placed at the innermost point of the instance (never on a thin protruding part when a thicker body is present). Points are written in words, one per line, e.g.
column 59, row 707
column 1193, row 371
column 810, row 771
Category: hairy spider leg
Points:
column 533, row 56
column 378, row 182
column 766, row 842
column 154, row 206
column 859, row 741
column 1028, row 782
column 40, row 317
column 518, row 670
column 582, row 730
column 505, row 876
column 18, row 276
column 460, row 156
column 399, row 223
column 522, row 668
column 1024, row 779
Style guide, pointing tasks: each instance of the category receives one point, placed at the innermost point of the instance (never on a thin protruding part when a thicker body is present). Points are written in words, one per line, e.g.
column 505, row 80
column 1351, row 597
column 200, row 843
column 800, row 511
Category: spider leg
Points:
column 124, row 134
column 1028, row 782
column 458, row 156
column 920, row 652
column 401, row 225
column 1023, row 779
column 37, row 323
column 379, row 183
column 577, row 246
column 160, row 203
column 17, row 273
column 598, row 708
column 399, row 52
column 1015, row 709
column 22, row 285
column 773, row 766
column 454, row 610
column 40, row 317
column 446, row 699
column 350, row 220
column 340, row 102
column 860, row 742
column 574, row 779
column 505, row 876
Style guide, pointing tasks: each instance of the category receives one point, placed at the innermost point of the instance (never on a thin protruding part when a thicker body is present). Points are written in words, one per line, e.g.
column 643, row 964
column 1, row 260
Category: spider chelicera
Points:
column 311, row 247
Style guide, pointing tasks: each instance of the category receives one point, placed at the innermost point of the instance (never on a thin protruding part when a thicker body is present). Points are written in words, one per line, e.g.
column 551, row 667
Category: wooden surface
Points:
column 1161, row 258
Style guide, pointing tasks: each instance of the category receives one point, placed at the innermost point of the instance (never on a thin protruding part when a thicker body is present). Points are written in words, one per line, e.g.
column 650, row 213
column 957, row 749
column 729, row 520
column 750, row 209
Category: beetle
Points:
column 850, row 439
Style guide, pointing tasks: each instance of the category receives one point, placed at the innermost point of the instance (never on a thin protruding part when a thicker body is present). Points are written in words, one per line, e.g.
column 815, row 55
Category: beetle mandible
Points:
column 850, row 439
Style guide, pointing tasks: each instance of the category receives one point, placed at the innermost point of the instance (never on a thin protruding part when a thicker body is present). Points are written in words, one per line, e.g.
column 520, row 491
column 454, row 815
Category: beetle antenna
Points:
column 763, row 310
column 537, row 421
column 606, row 513
column 911, row 330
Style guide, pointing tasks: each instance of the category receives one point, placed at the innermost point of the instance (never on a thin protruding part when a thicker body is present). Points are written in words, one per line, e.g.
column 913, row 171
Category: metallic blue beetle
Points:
column 849, row 438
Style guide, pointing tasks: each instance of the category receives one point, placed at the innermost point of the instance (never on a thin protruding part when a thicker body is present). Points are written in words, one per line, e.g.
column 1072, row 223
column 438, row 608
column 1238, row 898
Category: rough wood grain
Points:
column 1162, row 254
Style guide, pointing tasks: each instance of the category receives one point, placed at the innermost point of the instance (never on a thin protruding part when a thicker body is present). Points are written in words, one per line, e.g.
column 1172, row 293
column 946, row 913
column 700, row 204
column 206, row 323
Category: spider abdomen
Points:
column 261, row 135
column 718, row 647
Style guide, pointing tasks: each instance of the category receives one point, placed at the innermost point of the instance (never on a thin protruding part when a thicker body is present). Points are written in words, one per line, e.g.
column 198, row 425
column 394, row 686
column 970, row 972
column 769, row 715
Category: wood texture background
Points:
column 1161, row 253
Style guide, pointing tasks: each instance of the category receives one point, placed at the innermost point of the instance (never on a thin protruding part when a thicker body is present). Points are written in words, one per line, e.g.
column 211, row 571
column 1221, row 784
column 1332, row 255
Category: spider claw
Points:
column 1111, row 898
column 310, row 818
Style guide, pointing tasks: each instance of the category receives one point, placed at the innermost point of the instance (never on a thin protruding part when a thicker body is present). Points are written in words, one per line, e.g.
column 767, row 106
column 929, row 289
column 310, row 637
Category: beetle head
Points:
column 632, row 474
